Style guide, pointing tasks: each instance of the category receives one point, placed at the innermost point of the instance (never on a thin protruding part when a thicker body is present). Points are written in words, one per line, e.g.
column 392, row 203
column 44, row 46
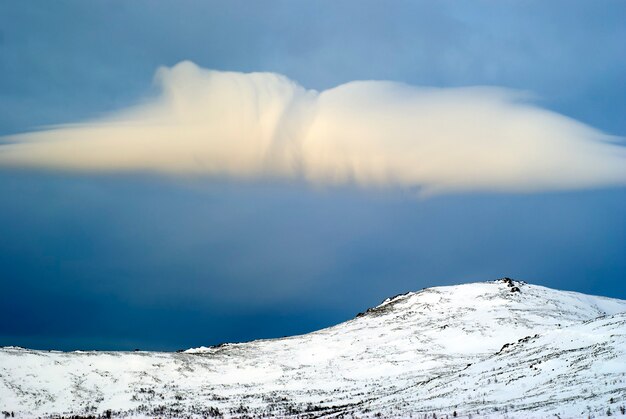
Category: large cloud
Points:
column 365, row 132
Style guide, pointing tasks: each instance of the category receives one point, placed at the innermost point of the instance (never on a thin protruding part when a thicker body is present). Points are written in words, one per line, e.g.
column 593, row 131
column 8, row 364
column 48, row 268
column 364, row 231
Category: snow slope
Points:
column 477, row 349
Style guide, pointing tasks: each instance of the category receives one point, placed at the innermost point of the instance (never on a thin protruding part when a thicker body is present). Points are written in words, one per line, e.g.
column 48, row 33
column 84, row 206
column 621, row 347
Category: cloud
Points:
column 371, row 133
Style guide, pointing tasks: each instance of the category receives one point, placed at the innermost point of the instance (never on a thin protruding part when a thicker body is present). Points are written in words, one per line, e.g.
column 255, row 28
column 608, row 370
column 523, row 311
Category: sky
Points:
column 113, row 237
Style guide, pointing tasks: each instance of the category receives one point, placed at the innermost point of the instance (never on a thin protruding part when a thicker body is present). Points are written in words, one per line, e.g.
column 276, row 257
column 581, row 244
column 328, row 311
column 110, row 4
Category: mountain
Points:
column 480, row 349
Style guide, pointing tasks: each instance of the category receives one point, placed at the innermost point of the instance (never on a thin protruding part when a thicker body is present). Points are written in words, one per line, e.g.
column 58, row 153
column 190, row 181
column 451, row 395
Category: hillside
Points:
column 474, row 349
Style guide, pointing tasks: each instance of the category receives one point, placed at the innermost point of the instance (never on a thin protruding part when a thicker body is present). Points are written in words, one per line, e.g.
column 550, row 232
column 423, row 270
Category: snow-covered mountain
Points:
column 480, row 349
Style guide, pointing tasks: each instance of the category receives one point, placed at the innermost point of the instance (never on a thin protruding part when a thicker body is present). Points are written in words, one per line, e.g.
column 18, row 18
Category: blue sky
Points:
column 127, row 260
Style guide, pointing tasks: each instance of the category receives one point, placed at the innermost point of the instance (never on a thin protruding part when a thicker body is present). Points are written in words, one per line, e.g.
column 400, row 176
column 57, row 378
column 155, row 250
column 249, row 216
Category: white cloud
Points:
column 367, row 132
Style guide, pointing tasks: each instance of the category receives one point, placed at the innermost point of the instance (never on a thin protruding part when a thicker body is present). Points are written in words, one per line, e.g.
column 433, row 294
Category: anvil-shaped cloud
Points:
column 363, row 132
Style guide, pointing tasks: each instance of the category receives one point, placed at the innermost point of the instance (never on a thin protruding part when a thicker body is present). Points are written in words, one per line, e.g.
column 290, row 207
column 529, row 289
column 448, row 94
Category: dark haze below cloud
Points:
column 120, row 262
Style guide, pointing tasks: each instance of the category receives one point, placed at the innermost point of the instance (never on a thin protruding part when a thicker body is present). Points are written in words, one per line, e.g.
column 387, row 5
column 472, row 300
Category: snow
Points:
column 438, row 350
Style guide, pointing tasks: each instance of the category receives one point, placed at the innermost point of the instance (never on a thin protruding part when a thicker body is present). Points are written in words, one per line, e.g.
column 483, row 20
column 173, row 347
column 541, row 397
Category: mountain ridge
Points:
column 395, row 359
